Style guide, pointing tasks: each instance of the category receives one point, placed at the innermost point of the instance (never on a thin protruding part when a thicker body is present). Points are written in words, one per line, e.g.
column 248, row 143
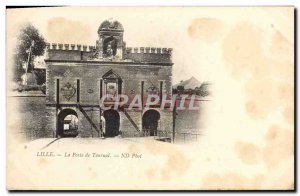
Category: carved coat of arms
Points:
column 68, row 91
column 152, row 90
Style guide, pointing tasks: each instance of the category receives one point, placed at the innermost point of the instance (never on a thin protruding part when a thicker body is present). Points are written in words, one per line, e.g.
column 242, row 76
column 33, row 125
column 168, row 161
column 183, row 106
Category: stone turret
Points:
column 110, row 43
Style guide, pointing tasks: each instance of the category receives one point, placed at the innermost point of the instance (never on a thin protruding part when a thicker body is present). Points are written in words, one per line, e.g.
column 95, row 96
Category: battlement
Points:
column 148, row 50
column 78, row 52
column 69, row 47
column 129, row 50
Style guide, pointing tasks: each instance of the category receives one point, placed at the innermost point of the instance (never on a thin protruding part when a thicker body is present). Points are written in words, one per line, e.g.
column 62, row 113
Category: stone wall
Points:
column 38, row 121
column 190, row 125
column 90, row 74
column 31, row 117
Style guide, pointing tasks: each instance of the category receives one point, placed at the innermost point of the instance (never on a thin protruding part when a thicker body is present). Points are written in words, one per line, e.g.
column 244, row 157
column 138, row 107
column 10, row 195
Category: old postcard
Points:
column 150, row 98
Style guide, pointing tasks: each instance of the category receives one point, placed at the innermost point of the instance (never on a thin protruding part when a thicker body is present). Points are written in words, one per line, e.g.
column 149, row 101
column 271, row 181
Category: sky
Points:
column 194, row 34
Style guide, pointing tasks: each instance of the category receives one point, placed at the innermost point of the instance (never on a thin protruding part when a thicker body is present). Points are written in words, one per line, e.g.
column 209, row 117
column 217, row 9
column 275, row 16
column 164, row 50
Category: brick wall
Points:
column 31, row 117
column 90, row 74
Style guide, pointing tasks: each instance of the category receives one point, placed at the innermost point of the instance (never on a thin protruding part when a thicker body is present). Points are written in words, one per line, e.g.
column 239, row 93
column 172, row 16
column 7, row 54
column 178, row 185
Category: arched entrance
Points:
column 112, row 123
column 67, row 123
column 150, row 122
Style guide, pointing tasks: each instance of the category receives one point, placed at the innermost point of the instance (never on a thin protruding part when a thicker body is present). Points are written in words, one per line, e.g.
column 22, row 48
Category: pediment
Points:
column 111, row 74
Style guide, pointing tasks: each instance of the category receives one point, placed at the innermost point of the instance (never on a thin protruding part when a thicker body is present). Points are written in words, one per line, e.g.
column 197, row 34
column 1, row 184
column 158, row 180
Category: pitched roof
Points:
column 191, row 83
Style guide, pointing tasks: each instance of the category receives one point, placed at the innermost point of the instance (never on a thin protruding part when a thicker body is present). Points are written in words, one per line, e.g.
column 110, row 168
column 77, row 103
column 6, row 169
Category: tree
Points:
column 180, row 89
column 203, row 90
column 40, row 76
column 28, row 37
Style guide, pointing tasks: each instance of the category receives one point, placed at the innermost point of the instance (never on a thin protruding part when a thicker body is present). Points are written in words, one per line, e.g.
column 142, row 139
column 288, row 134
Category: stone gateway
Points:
column 79, row 76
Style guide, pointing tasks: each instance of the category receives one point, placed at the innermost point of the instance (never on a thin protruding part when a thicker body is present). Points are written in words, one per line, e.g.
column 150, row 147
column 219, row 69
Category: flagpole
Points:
column 28, row 60
column 29, row 56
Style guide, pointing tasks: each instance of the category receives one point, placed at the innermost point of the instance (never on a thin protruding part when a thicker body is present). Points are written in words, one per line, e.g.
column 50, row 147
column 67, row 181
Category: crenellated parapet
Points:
column 69, row 47
column 78, row 52
column 75, row 52
column 148, row 50
column 79, row 47
column 148, row 54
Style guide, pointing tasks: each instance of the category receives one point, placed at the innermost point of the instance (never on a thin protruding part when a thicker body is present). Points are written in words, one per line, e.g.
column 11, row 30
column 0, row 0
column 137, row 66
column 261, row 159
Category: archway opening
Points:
column 150, row 122
column 112, row 123
column 67, row 123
